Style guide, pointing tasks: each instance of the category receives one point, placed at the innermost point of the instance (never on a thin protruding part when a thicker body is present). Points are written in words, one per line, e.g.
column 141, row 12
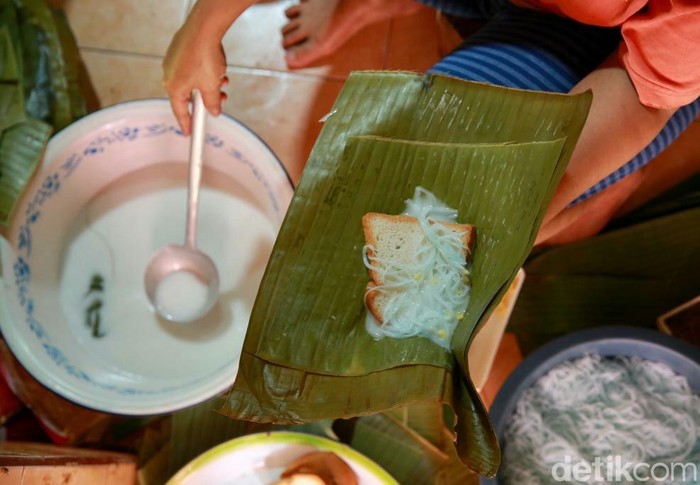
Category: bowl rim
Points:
column 607, row 341
column 73, row 133
column 282, row 438
column 75, row 126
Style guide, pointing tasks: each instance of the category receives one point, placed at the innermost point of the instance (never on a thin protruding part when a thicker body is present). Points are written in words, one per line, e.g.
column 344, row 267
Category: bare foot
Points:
column 317, row 28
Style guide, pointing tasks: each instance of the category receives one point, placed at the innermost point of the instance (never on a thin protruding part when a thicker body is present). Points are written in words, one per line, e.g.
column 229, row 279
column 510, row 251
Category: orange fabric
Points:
column 660, row 42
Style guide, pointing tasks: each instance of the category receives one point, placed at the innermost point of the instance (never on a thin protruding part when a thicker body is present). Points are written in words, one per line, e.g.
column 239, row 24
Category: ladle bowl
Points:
column 183, row 303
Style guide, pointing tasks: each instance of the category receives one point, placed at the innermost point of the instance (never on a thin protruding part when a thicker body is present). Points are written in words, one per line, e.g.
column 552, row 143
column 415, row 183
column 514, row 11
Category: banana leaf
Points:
column 195, row 430
column 10, row 62
column 11, row 106
column 71, row 65
column 628, row 276
column 9, row 70
column 36, row 74
column 39, row 89
column 413, row 444
column 425, row 418
column 21, row 148
column 493, row 153
column 46, row 85
column 403, row 453
column 11, row 96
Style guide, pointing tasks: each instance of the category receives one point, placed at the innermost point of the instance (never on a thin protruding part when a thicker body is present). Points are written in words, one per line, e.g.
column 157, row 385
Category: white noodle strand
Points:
column 427, row 298
column 596, row 407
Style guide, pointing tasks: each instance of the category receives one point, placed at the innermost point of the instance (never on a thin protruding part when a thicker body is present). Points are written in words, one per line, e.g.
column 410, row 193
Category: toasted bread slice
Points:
column 398, row 238
column 375, row 301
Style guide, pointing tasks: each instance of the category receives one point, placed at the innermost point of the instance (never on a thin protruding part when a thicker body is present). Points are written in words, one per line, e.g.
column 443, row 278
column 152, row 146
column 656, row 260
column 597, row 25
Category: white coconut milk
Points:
column 118, row 233
column 181, row 296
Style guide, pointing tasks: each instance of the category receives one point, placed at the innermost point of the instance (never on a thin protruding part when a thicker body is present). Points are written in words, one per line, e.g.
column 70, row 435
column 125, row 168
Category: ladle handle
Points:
column 196, row 144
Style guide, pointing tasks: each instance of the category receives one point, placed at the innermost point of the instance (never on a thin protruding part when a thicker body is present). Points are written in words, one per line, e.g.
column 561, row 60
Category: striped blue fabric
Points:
column 675, row 126
column 527, row 49
column 467, row 8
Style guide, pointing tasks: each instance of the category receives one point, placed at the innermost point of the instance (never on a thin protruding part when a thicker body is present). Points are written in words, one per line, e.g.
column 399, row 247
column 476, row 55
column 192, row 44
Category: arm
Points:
column 618, row 127
column 195, row 58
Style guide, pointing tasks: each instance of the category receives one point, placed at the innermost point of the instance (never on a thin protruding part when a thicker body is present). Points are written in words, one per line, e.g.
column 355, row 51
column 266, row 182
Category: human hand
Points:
column 194, row 60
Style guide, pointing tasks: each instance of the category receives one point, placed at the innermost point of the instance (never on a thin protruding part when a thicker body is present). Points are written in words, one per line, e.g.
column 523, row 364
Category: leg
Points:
column 532, row 50
column 678, row 123
column 591, row 215
column 651, row 171
column 317, row 28
column 677, row 163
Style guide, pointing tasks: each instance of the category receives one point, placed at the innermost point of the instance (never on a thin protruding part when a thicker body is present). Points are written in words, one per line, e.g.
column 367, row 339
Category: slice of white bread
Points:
column 375, row 302
column 398, row 238
column 318, row 467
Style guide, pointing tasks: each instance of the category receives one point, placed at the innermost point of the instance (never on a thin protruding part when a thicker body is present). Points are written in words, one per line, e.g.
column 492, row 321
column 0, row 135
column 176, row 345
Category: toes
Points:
column 302, row 55
column 293, row 11
column 293, row 37
column 290, row 26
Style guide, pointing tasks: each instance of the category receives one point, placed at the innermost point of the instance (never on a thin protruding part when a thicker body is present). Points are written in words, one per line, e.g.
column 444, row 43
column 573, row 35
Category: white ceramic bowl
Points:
column 110, row 191
column 606, row 341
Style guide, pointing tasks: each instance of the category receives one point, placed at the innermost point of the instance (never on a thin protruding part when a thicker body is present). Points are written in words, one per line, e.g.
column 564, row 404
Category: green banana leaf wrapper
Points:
column 21, row 147
column 39, row 90
column 627, row 275
column 495, row 154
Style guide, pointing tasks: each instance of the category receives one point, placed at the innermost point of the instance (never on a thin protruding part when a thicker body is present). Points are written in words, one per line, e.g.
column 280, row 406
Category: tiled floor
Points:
column 123, row 42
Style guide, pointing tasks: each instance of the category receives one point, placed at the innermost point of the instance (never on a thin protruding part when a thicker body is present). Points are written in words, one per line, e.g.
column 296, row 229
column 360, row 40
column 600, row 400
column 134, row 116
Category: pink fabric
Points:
column 660, row 42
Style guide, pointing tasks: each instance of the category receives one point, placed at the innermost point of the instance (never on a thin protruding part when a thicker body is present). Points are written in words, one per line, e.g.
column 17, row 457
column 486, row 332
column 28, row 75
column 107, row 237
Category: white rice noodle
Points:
column 428, row 298
column 635, row 409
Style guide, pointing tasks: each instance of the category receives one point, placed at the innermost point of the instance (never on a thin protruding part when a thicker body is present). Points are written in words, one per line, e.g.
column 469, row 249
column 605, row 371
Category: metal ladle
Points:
column 175, row 258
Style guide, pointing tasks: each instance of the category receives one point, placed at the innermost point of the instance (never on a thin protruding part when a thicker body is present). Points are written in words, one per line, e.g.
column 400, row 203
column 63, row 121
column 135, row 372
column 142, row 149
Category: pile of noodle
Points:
column 429, row 297
column 634, row 409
